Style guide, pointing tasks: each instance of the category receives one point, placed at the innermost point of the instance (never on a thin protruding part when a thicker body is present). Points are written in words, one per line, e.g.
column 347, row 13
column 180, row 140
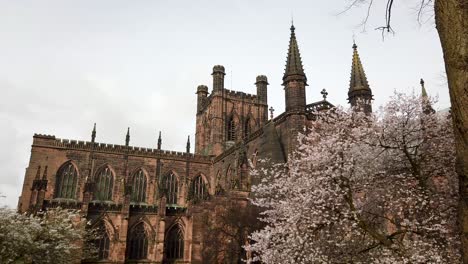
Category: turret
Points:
column 294, row 78
column 218, row 77
column 359, row 94
column 202, row 92
column 262, row 85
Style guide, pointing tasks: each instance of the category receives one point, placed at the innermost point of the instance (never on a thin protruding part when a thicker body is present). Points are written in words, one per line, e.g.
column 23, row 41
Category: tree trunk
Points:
column 452, row 24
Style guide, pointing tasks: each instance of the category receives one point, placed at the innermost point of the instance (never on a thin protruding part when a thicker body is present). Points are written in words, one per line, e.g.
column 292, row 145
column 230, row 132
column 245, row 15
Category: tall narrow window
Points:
column 139, row 187
column 137, row 243
column 102, row 242
column 175, row 244
column 171, row 187
column 231, row 130
column 104, row 184
column 67, row 177
column 247, row 127
column 199, row 191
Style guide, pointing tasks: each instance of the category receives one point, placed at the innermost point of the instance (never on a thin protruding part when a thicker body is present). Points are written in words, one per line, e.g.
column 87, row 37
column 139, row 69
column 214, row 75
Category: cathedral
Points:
column 148, row 203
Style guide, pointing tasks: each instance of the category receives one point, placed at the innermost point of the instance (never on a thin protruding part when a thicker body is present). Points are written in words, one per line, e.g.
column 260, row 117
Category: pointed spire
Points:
column 127, row 137
column 423, row 89
column 44, row 175
column 426, row 104
column 188, row 144
column 159, row 140
column 359, row 93
column 294, row 69
column 358, row 76
column 93, row 134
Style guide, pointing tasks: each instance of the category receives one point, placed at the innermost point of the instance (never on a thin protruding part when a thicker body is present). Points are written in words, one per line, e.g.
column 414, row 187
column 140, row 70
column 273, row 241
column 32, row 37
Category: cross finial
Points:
column 324, row 94
column 271, row 111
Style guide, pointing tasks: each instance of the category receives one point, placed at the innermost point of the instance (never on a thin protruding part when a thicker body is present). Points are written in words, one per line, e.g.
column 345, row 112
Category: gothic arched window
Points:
column 104, row 184
column 231, row 129
column 102, row 242
column 175, row 244
column 67, row 177
column 137, row 243
column 199, row 191
column 247, row 128
column 138, row 187
column 171, row 187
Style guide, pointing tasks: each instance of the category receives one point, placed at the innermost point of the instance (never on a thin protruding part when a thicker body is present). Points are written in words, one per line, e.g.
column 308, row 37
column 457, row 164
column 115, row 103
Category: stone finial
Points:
column 127, row 137
column 188, row 144
column 159, row 141
column 271, row 112
column 93, row 134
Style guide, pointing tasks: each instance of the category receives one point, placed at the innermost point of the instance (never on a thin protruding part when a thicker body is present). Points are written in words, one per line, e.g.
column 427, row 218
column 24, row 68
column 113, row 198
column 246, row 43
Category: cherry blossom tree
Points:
column 364, row 189
column 50, row 237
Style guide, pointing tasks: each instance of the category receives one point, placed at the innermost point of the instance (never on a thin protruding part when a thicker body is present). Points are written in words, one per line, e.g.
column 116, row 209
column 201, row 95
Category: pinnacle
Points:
column 294, row 62
column 358, row 76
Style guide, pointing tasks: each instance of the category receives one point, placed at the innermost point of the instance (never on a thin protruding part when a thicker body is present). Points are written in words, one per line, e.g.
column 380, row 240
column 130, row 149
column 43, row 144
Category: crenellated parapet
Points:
column 51, row 141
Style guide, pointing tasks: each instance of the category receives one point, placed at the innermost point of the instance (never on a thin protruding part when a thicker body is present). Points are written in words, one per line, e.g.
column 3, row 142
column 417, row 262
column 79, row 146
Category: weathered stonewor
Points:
column 151, row 203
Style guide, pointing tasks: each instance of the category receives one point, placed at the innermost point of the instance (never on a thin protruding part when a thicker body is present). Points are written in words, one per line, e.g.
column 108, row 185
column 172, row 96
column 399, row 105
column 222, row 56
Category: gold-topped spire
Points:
column 359, row 93
column 294, row 69
column 358, row 76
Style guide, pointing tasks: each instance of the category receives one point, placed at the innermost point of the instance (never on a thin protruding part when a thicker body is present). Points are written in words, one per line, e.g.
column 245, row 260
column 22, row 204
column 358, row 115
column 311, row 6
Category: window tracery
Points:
column 66, row 181
column 139, row 185
column 137, row 244
column 104, row 185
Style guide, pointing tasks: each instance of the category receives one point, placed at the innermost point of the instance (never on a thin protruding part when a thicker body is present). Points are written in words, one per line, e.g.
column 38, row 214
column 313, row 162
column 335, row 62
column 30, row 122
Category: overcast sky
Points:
column 67, row 64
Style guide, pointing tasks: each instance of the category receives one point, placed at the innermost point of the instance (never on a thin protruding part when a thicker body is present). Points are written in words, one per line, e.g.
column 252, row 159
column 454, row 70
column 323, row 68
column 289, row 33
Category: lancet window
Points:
column 175, row 244
column 104, row 185
column 139, row 187
column 199, row 190
column 102, row 242
column 137, row 243
column 247, row 129
column 171, row 188
column 67, row 178
column 231, row 129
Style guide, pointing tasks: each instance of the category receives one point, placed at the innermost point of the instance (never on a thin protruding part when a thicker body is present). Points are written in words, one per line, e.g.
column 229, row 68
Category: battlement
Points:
column 40, row 140
column 239, row 95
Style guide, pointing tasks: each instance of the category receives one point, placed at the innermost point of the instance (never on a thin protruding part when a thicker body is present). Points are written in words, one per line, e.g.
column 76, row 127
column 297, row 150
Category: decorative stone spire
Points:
column 93, row 134
column 359, row 90
column 127, row 137
column 294, row 69
column 426, row 104
column 188, row 144
column 423, row 89
column 159, row 140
